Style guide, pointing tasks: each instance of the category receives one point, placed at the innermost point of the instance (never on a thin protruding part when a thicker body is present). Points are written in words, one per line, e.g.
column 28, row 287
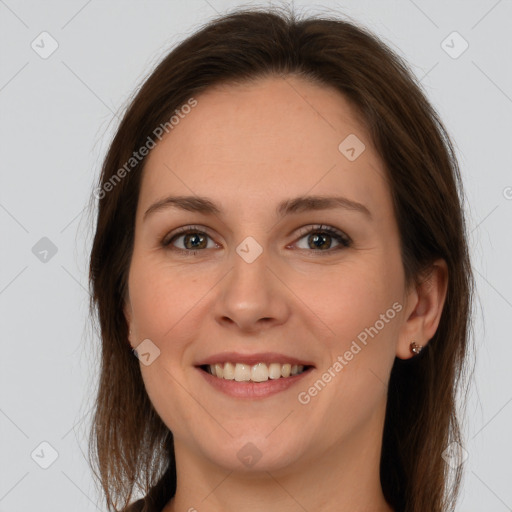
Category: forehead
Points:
column 270, row 138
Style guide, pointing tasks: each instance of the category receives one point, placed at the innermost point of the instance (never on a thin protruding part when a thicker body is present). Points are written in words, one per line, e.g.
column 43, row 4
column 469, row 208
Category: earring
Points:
column 415, row 348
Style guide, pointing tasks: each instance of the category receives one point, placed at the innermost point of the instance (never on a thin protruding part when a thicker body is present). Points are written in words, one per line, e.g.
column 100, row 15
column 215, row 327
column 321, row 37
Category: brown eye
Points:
column 187, row 240
column 190, row 240
column 320, row 239
column 194, row 241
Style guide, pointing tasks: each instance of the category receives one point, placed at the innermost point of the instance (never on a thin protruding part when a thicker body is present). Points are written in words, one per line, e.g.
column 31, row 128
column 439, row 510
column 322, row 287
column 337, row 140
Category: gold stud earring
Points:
column 415, row 348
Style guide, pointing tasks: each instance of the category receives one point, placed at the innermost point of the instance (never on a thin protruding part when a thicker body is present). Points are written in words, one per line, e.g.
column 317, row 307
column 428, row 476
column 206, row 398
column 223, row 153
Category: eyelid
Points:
column 326, row 228
column 183, row 230
column 343, row 239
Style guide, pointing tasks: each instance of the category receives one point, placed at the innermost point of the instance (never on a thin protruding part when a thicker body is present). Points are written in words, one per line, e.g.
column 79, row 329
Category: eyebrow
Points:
column 289, row 206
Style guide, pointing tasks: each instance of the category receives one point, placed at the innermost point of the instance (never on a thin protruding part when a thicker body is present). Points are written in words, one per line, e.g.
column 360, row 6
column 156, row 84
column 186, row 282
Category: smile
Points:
column 259, row 372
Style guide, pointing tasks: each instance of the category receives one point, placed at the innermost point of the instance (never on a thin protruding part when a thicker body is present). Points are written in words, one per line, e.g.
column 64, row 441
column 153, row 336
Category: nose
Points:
column 252, row 296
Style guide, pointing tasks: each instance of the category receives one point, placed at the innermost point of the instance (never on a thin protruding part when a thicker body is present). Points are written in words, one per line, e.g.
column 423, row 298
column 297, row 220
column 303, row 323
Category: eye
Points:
column 319, row 238
column 193, row 239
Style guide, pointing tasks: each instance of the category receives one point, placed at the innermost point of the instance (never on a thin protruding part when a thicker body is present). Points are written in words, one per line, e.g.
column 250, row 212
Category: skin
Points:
column 248, row 148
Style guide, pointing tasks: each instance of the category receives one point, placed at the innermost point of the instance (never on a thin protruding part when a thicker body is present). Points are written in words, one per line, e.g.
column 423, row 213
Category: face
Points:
column 266, row 279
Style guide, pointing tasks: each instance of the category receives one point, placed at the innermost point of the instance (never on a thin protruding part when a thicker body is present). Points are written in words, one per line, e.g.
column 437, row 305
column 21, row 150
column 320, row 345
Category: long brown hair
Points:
column 130, row 447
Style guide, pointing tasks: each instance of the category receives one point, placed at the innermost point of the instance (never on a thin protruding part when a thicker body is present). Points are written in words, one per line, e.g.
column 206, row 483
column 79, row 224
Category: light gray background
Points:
column 57, row 117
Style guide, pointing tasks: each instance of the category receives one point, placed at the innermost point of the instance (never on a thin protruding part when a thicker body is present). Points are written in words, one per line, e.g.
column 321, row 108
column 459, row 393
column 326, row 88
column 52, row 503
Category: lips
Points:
column 253, row 368
column 252, row 359
column 250, row 389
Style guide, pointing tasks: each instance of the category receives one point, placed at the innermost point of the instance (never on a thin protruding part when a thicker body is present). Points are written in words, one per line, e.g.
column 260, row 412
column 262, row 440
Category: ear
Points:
column 424, row 306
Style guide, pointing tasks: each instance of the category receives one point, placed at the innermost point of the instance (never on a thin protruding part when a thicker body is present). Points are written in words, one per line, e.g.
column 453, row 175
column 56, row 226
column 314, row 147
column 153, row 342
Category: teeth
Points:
column 228, row 370
column 274, row 371
column 242, row 372
column 219, row 370
column 259, row 372
column 286, row 370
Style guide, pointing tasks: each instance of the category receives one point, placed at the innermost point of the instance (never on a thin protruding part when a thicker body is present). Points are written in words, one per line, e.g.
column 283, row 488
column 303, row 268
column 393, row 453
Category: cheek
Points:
column 164, row 301
column 353, row 300
column 361, row 306
column 162, row 296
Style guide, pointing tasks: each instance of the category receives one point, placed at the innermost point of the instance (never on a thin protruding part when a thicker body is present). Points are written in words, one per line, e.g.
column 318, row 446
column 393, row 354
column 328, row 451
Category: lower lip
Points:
column 246, row 389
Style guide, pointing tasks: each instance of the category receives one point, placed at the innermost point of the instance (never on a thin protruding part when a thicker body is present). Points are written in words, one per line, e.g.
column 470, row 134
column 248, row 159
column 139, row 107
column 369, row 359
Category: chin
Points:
column 254, row 454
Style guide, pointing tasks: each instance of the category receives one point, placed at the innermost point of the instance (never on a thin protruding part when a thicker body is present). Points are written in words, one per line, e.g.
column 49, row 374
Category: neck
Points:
column 343, row 479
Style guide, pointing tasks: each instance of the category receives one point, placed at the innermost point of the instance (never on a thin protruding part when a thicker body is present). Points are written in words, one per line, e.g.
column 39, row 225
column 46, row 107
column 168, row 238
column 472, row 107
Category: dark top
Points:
column 140, row 506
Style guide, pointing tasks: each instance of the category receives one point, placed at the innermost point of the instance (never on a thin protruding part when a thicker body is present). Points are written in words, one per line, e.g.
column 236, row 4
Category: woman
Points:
column 281, row 276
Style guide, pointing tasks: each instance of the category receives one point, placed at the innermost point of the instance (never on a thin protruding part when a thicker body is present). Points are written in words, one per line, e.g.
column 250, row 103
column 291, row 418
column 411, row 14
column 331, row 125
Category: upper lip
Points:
column 252, row 359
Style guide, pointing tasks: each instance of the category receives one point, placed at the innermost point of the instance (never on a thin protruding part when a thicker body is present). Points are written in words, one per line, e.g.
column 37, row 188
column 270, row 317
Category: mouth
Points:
column 253, row 376
column 253, row 381
column 259, row 372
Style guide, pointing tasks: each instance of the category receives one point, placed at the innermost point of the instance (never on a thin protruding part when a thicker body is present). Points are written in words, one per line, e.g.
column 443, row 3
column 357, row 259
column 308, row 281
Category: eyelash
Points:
column 339, row 236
